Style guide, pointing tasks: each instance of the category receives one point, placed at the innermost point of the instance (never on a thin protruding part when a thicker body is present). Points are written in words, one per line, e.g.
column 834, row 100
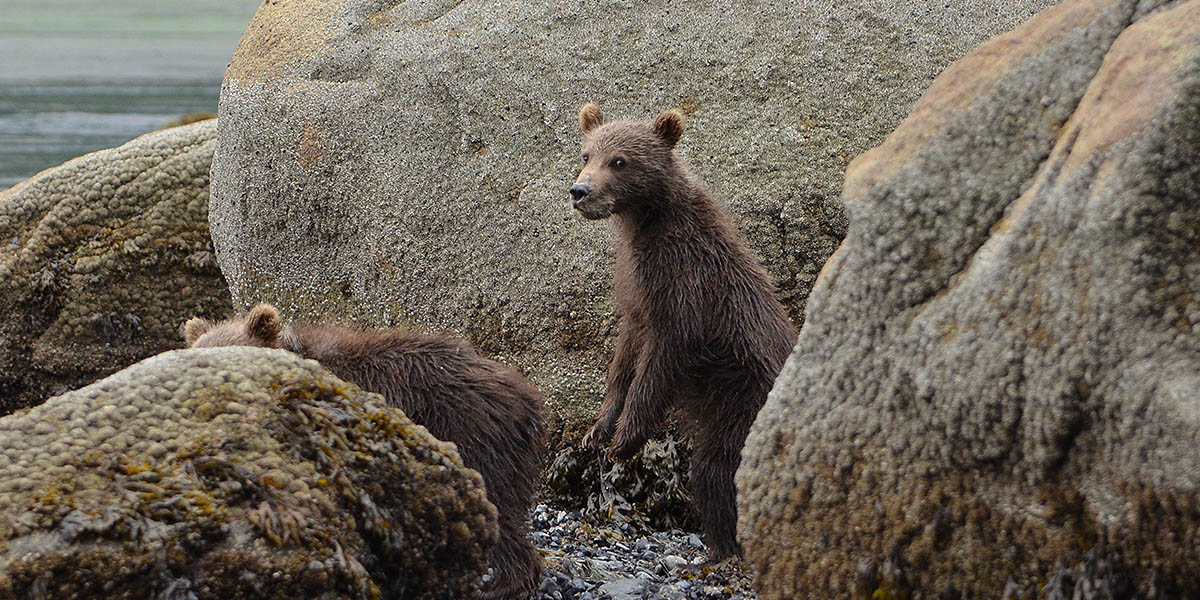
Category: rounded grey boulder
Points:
column 389, row 162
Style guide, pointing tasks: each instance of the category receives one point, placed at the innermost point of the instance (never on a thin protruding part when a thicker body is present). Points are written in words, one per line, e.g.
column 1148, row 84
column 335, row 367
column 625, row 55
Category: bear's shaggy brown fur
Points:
column 699, row 327
column 489, row 410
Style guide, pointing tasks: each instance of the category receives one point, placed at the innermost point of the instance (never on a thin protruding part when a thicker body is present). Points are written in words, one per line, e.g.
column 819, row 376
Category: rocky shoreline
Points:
column 586, row 560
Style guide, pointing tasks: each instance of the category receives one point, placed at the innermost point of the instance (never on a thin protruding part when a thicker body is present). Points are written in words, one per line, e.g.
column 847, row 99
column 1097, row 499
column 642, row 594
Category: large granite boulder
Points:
column 234, row 473
column 997, row 388
column 101, row 259
column 408, row 162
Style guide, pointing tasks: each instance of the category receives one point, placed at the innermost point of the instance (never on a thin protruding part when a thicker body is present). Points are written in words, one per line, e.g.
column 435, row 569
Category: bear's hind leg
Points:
column 516, row 564
column 714, row 462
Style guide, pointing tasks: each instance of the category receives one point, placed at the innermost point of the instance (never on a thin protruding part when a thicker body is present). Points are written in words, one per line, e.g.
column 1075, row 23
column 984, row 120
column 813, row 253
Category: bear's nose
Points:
column 579, row 190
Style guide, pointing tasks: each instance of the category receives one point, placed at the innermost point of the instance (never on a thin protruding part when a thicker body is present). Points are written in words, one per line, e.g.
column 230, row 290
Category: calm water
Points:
column 81, row 75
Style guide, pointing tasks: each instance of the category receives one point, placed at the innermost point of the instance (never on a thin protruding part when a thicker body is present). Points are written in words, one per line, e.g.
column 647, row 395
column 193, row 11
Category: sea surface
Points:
column 81, row 75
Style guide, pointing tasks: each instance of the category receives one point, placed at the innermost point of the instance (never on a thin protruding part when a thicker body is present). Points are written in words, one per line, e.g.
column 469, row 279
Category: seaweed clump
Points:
column 648, row 492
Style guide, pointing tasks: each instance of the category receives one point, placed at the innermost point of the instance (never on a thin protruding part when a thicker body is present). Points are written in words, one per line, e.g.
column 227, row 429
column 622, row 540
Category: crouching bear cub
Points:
column 489, row 410
column 699, row 327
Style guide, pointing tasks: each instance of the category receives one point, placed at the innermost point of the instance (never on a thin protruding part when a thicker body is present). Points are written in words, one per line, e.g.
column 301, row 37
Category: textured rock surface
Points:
column 407, row 162
column 999, row 368
column 101, row 259
column 234, row 473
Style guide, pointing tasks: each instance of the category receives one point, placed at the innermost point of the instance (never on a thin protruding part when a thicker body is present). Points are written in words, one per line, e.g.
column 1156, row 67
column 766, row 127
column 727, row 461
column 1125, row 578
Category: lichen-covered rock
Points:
column 393, row 162
column 996, row 390
column 101, row 258
column 234, row 473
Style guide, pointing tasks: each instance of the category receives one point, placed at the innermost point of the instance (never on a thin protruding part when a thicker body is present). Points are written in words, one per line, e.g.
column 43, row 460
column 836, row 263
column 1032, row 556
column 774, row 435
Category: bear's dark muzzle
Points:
column 579, row 191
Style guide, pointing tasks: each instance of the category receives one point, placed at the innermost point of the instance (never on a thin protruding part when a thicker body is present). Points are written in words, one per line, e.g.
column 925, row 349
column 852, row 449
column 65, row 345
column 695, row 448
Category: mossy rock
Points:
column 234, row 473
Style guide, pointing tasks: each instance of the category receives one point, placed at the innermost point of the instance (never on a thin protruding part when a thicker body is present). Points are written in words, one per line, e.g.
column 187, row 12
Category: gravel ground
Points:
column 603, row 561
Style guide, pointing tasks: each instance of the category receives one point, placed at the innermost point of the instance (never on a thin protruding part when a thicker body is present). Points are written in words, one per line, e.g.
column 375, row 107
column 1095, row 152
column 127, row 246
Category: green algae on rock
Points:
column 101, row 258
column 234, row 473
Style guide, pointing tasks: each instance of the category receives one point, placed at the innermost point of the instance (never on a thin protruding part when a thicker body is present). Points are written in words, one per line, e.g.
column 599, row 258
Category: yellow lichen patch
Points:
column 134, row 469
column 50, row 500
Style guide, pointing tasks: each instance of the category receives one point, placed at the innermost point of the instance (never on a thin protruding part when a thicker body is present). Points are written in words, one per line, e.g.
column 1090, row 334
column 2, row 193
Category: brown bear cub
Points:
column 489, row 410
column 700, row 331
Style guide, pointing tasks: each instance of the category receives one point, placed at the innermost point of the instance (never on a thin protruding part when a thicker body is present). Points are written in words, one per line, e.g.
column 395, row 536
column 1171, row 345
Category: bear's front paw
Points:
column 624, row 448
column 597, row 435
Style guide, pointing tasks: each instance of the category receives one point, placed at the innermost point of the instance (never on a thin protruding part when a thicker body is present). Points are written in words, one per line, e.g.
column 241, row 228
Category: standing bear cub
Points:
column 489, row 410
column 699, row 328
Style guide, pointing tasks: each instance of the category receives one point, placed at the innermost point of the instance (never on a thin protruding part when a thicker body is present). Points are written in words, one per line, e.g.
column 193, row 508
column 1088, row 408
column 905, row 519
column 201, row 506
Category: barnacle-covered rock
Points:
column 234, row 473
column 997, row 391
column 101, row 258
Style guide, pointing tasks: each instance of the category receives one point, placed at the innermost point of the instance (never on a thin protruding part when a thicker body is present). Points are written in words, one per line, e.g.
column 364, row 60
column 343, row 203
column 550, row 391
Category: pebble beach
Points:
column 606, row 561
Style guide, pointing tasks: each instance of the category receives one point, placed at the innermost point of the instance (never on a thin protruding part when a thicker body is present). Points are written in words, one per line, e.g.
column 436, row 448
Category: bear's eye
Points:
column 619, row 163
column 585, row 157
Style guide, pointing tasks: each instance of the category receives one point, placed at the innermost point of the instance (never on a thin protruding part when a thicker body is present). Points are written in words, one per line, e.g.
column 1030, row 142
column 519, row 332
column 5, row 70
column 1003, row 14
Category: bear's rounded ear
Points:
column 263, row 325
column 590, row 117
column 194, row 328
column 669, row 126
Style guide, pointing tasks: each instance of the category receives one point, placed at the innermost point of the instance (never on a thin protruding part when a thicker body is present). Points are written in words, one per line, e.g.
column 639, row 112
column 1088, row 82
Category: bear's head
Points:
column 627, row 165
column 261, row 327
